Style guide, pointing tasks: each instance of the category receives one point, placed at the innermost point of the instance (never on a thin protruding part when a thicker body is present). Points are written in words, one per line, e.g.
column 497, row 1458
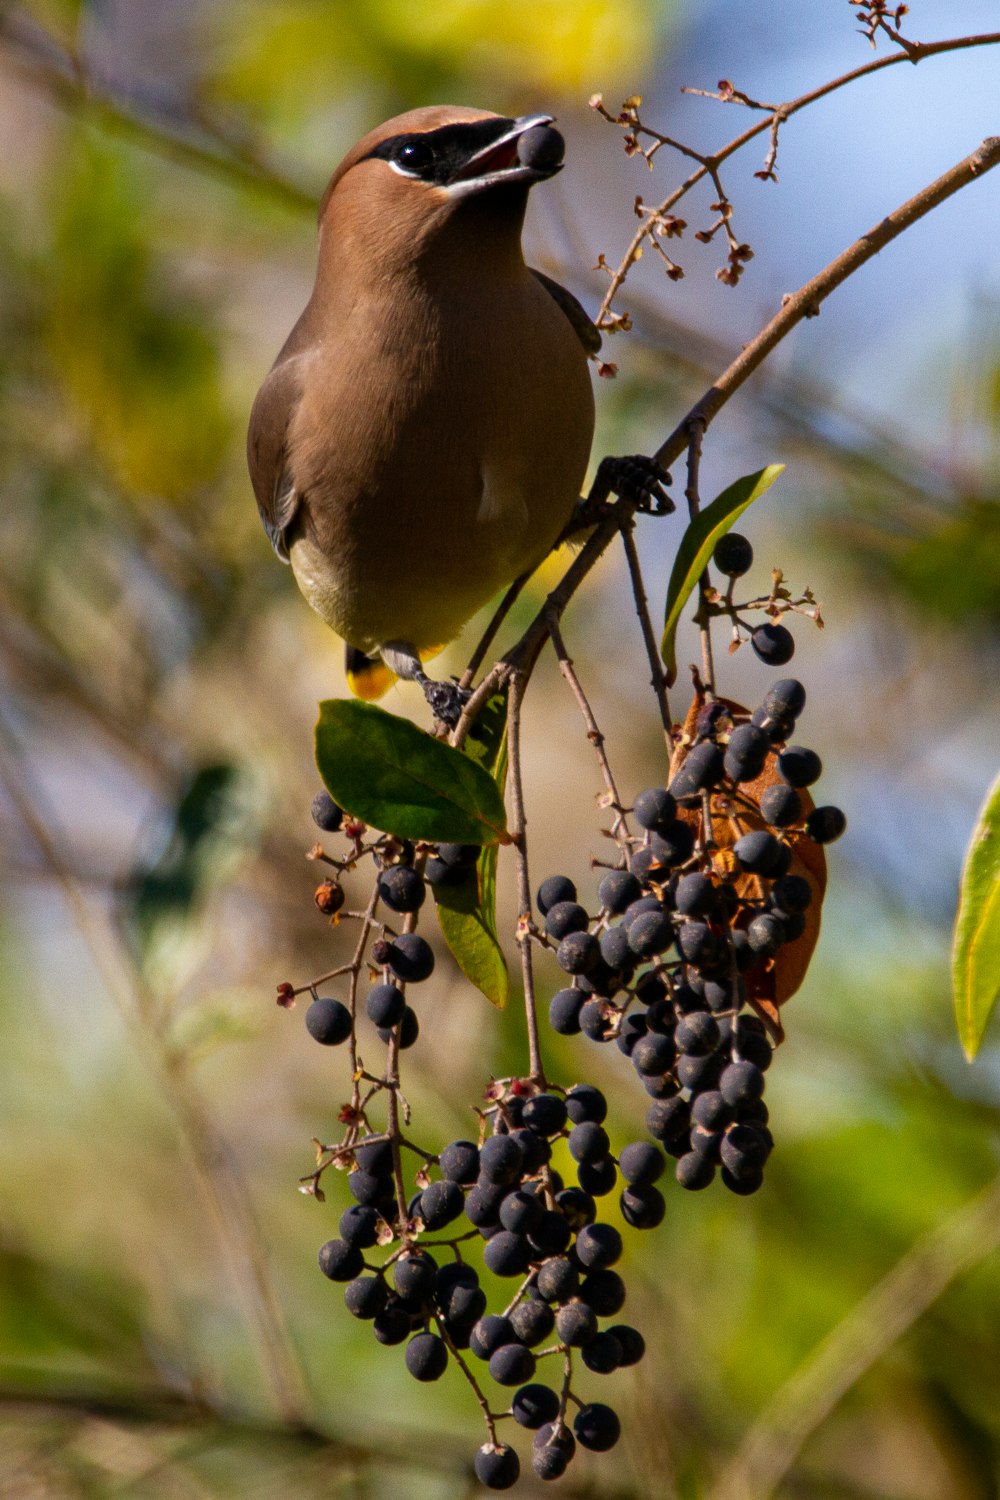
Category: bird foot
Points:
column 634, row 478
column 637, row 478
column 446, row 700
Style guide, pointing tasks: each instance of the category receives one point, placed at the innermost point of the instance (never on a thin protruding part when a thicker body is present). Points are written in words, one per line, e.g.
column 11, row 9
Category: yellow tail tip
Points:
column 368, row 677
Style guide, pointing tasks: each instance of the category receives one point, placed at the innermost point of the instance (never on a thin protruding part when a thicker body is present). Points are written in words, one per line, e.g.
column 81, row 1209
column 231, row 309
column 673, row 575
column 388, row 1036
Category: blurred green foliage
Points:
column 159, row 677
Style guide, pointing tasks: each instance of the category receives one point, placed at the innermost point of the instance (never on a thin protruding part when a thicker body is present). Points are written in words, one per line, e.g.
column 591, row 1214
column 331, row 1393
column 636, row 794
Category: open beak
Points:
column 498, row 162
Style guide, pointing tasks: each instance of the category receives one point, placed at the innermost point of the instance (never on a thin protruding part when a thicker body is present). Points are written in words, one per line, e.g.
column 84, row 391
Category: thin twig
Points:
column 647, row 229
column 620, row 828
column 693, row 497
column 868, row 1332
column 488, row 636
column 656, row 675
column 536, row 1070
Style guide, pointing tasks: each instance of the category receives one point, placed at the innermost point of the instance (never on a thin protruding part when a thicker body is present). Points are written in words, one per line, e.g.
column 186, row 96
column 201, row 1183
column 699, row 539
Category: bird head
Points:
column 401, row 184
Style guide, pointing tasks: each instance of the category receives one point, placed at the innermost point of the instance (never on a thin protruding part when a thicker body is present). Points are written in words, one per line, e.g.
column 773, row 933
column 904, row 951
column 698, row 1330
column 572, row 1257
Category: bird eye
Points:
column 415, row 156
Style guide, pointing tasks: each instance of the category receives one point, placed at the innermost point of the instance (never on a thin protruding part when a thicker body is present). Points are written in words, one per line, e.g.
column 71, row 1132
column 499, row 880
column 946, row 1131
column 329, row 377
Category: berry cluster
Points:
column 688, row 935
column 497, row 1207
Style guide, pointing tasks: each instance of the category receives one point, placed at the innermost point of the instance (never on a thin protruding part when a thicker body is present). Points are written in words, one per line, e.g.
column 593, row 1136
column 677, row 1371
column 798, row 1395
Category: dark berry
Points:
column 643, row 1206
column 329, row 1022
column 364, row 1188
column 460, row 1162
column 578, row 952
column 710, row 1110
column 697, row 1033
column 463, row 1305
column 588, row 1142
column 534, row 1148
column 490, row 1334
column 576, row 1324
column 604, row 1291
column 533, row 1321
column 534, row 1405
column 653, row 1054
column 792, row 893
column 557, row 888
column 740, row 1083
column 545, row 1114
column 800, row 767
column 597, row 1177
column 359, row 1225
column 825, row 824
column 565, row 917
column 366, row 1297
column 551, row 1236
column 780, row 805
column 402, row 888
column 414, row 1275
column 512, row 1364
column 630, row 1341
column 702, row 769
column 557, row 1279
column 497, row 1467
column 521, row 1212
column 507, row 1254
column 787, row 698
column 325, row 813
column 340, row 1260
column 743, row 1183
column 409, row 1029
column 500, row 1159
column 641, row 1162
column 650, row 933
column 766, row 933
column 441, row 1203
column 603, row 1354
column 773, row 644
column 733, row 554
column 668, row 1119
column 694, row 1171
column 598, row 1246
column 385, row 1005
column 617, row 890
column 698, row 944
column 695, row 895
column 585, row 1102
column 411, row 957
column 654, row 809
column 597, row 1427
column 746, row 752
column 596, row 1021
column 576, row 1206
column 637, row 909
column 564, row 1011
column 459, row 856
column 615, row 949
column 552, row 1450
column 759, row 852
column 393, row 1324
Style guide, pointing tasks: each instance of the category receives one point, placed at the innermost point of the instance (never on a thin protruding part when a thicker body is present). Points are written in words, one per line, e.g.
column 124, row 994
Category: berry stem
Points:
column 536, row 1070
column 657, row 679
column 620, row 829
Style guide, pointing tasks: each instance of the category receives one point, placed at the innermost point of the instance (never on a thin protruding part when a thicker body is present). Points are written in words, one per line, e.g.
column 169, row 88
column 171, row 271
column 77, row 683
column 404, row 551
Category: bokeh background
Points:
column 163, row 1328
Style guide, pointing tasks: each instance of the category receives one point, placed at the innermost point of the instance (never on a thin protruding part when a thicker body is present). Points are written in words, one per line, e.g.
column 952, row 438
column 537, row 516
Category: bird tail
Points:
column 368, row 677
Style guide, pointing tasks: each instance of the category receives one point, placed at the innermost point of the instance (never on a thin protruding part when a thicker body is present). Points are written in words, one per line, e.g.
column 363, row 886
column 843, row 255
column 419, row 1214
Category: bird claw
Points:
column 446, row 700
column 639, row 479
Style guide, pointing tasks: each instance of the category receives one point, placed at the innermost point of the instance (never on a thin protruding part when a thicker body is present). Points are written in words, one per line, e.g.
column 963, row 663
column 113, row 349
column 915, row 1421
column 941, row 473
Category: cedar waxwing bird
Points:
column 421, row 439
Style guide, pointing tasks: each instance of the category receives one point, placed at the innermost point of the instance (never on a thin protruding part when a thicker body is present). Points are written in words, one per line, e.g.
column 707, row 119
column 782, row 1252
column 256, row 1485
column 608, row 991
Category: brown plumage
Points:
column 422, row 437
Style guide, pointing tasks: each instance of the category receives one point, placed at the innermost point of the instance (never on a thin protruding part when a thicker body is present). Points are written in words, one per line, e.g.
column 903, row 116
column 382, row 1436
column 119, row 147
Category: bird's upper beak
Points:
column 499, row 163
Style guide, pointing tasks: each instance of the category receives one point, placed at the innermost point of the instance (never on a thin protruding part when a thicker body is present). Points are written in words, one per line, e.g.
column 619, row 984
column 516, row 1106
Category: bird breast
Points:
column 439, row 449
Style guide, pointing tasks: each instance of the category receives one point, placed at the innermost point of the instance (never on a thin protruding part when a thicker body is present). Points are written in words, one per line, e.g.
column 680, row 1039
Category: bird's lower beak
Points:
column 499, row 162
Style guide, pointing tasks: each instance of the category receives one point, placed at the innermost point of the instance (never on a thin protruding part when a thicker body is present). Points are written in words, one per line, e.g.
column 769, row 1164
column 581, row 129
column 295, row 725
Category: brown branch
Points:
column 696, row 428
column 805, row 303
column 781, row 113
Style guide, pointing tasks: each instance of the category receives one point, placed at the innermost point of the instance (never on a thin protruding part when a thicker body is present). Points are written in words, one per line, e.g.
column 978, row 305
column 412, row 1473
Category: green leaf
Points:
column 467, row 913
column 697, row 546
column 392, row 775
column 975, row 953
